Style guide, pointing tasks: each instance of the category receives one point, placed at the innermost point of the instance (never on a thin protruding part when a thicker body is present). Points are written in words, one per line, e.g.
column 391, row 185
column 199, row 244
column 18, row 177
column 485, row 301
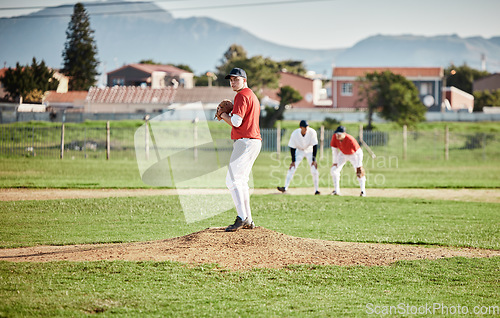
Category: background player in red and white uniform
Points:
column 245, row 133
column 303, row 143
column 346, row 148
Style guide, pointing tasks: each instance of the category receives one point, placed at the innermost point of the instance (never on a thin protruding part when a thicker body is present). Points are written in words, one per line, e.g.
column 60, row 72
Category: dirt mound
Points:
column 241, row 250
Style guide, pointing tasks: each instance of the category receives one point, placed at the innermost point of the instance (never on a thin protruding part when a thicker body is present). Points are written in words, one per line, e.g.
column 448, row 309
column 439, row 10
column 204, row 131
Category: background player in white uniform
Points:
column 303, row 143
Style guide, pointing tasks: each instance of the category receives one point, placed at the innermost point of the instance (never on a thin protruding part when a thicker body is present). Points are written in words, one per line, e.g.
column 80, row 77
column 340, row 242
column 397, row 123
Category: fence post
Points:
column 278, row 139
column 405, row 138
column 108, row 143
column 446, row 142
column 62, row 142
column 321, row 141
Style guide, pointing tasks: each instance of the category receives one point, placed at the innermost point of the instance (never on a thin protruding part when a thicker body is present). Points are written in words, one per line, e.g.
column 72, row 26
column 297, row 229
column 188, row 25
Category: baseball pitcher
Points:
column 245, row 133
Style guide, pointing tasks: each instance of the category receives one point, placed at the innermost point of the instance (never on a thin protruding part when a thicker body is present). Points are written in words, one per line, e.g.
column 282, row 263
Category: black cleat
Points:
column 238, row 224
column 281, row 189
column 317, row 193
column 363, row 194
column 335, row 193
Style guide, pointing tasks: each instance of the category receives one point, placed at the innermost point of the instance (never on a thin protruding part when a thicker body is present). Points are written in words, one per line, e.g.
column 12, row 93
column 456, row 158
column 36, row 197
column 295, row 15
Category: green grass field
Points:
column 165, row 289
column 171, row 289
column 268, row 172
column 381, row 220
column 443, row 287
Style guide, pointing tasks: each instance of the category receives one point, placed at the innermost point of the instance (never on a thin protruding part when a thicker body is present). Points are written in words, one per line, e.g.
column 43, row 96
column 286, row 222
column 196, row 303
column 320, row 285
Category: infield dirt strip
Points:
column 244, row 249
column 471, row 195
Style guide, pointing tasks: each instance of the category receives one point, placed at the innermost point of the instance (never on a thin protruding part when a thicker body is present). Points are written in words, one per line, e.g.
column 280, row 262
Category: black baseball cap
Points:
column 303, row 123
column 340, row 129
column 237, row 72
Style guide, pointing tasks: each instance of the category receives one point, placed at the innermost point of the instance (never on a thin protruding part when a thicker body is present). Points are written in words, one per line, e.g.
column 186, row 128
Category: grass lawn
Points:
column 353, row 219
column 166, row 289
column 445, row 287
column 268, row 172
column 170, row 289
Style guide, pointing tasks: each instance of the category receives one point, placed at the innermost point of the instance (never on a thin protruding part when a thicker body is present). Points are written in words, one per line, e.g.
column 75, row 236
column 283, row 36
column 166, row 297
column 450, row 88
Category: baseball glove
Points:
column 226, row 106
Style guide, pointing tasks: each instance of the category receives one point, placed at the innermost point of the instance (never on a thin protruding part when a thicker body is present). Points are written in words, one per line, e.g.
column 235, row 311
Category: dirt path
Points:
column 471, row 195
column 244, row 249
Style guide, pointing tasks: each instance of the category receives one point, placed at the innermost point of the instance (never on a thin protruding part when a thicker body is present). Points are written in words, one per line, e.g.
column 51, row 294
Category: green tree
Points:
column 80, row 63
column 262, row 72
column 184, row 67
column 486, row 98
column 462, row 77
column 235, row 56
column 404, row 106
column 206, row 79
column 234, row 52
column 288, row 95
column 149, row 61
column 395, row 97
column 29, row 82
column 292, row 66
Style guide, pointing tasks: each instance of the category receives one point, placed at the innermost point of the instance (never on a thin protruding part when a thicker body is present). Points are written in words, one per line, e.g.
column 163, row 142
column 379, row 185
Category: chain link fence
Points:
column 93, row 142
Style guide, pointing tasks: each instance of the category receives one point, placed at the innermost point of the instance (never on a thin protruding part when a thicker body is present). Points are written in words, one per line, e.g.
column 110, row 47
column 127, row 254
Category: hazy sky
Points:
column 327, row 23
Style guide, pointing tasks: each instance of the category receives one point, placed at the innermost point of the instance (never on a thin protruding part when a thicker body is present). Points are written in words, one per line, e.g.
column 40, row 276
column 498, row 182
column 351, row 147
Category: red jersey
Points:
column 247, row 106
column 348, row 146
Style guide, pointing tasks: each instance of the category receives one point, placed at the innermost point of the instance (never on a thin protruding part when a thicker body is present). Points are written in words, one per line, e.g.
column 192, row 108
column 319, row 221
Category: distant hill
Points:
column 123, row 39
column 412, row 50
column 201, row 43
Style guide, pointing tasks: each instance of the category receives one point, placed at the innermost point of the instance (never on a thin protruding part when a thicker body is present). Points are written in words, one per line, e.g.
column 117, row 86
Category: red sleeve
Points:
column 240, row 105
column 333, row 142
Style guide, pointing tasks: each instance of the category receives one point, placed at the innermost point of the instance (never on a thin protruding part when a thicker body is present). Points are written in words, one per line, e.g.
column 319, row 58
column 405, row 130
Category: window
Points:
column 118, row 81
column 425, row 88
column 346, row 89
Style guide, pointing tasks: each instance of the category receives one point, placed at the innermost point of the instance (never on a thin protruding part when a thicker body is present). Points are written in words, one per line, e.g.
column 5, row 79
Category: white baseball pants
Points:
column 356, row 159
column 299, row 155
column 245, row 152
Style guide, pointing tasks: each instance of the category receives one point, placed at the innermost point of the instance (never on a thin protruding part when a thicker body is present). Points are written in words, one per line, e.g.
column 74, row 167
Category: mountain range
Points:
column 201, row 42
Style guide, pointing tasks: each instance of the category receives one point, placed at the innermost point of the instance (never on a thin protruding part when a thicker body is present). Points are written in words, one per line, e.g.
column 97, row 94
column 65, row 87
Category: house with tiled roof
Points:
column 72, row 100
column 128, row 99
column 210, row 96
column 313, row 93
column 150, row 75
column 346, row 85
column 144, row 99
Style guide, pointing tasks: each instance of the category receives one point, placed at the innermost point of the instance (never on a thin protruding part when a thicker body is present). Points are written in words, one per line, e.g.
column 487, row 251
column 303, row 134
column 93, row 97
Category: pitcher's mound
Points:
column 244, row 249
